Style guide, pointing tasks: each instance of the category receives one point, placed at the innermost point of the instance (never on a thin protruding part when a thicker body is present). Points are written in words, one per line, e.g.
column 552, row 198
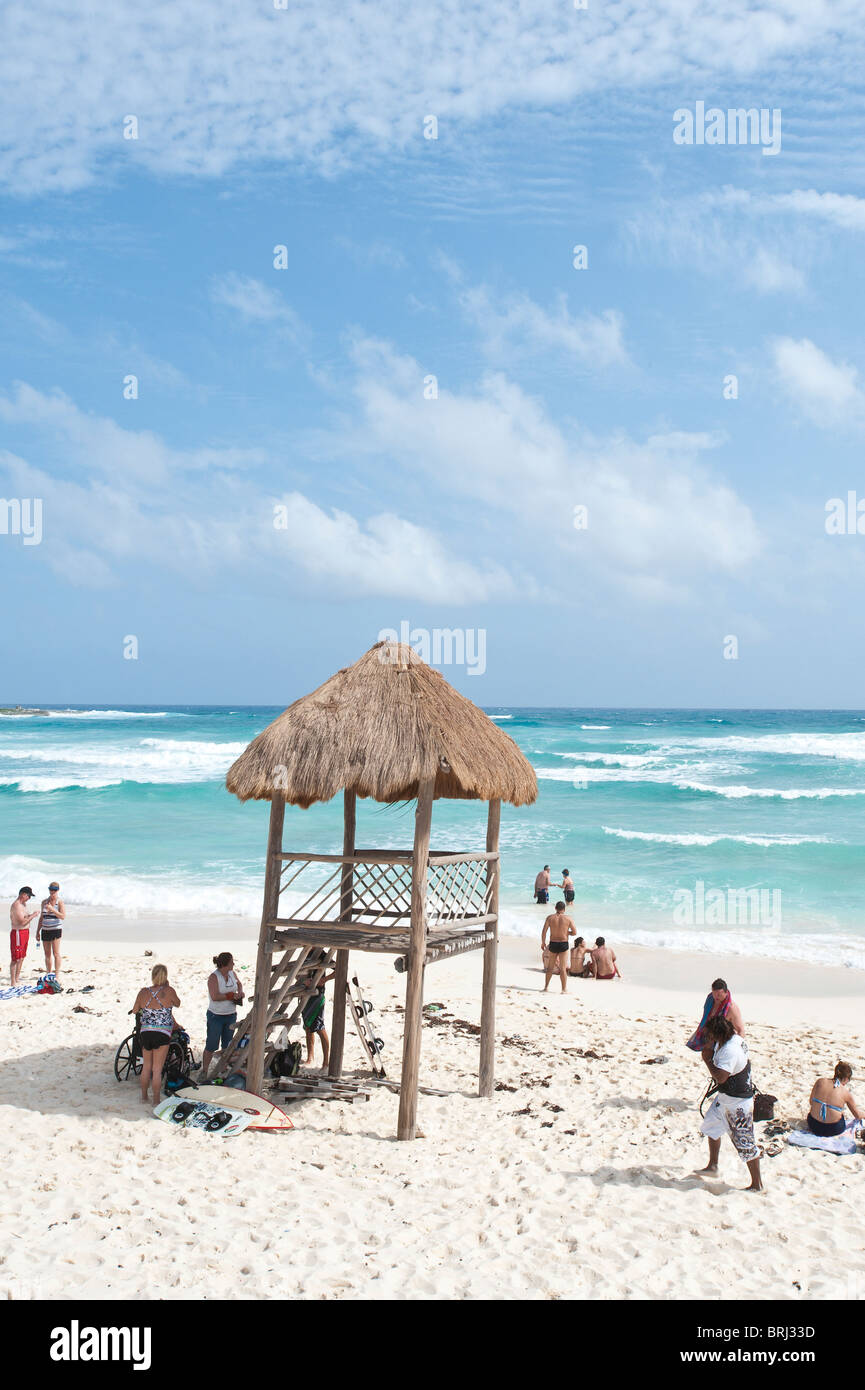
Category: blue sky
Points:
column 303, row 388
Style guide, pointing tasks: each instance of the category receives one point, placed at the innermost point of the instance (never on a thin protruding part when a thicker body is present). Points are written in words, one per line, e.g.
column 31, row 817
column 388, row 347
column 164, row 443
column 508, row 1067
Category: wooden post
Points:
column 407, row 1122
column 340, row 980
column 488, row 996
column 269, row 910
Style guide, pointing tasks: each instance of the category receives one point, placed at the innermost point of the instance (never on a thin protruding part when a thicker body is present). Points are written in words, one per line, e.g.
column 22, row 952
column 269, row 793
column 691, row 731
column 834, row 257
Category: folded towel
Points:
column 831, row 1143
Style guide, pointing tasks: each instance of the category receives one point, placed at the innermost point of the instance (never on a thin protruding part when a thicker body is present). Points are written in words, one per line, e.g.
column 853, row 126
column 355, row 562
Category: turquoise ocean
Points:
column 651, row 810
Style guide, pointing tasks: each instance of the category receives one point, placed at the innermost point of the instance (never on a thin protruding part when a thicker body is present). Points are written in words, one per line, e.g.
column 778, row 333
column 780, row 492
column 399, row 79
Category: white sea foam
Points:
column 678, row 778
column 85, row 886
column 113, row 714
column 783, row 794
column 150, row 760
column 833, row 948
column 596, row 726
column 501, row 716
column 693, row 838
column 843, row 746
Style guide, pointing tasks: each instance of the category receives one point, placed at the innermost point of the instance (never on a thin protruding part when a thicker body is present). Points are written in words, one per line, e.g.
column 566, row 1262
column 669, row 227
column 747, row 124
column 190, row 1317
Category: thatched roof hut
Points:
column 381, row 728
column 392, row 729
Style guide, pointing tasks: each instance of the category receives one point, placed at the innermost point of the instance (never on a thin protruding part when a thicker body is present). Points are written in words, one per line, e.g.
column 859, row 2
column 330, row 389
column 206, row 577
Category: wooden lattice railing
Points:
column 372, row 889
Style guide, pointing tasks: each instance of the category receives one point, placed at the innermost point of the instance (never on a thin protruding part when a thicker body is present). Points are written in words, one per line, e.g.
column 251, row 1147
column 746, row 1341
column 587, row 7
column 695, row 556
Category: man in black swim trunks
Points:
column 560, row 928
column 542, row 885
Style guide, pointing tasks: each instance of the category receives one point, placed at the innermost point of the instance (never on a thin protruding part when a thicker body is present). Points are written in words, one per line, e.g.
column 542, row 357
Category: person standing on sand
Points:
column 19, row 935
column 226, row 992
column 157, row 1025
column 719, row 1003
column 603, row 961
column 560, row 928
column 732, row 1110
column 542, row 885
column 50, row 928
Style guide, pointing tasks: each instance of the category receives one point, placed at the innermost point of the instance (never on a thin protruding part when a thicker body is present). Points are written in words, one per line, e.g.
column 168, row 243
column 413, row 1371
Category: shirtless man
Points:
column 603, row 961
column 19, row 936
column 560, row 927
column 542, row 885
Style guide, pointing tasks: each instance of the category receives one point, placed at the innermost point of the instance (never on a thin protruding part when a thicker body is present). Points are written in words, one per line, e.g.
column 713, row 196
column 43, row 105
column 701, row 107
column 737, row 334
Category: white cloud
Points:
column 657, row 518
column 514, row 325
column 122, row 499
column 334, row 87
column 828, row 392
column 389, row 556
column 255, row 301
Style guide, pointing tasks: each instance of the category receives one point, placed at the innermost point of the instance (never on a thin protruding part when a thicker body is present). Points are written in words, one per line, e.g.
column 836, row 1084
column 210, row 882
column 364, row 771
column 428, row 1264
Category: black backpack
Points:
column 286, row 1062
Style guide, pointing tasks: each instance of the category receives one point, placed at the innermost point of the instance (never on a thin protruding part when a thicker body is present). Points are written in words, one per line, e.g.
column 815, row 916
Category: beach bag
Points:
column 764, row 1106
column 48, row 984
column 286, row 1062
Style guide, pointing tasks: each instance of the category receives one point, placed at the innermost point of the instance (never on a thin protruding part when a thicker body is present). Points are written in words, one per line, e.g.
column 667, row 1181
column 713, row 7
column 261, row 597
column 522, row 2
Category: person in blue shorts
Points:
column 226, row 992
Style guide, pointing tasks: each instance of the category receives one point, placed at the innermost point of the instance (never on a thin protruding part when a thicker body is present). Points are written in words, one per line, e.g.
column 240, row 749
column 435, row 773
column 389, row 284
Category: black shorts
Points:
column 824, row 1128
column 543, row 896
column 151, row 1041
column 569, row 895
column 51, row 933
column 558, row 946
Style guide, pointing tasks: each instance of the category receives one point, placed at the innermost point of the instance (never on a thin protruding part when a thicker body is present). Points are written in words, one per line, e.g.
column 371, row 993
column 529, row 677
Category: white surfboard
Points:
column 262, row 1114
column 201, row 1116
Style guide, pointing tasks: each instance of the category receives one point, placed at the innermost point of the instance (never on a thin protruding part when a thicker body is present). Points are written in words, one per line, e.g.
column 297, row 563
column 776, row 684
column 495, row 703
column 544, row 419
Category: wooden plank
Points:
column 370, row 856
column 486, row 1075
column 255, row 1055
column 340, row 979
column 475, row 942
column 463, row 857
column 407, row 1122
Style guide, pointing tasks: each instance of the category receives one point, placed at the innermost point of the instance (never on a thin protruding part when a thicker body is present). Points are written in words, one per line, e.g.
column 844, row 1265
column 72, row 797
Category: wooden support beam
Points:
column 270, row 907
column 340, row 979
column 488, row 994
column 407, row 1123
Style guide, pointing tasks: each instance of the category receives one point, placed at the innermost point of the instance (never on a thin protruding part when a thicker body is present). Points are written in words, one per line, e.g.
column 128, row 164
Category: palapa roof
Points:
column 379, row 728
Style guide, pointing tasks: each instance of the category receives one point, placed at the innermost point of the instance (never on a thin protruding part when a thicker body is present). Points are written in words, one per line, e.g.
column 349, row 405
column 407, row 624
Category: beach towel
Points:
column 15, row 991
column 830, row 1143
column 696, row 1042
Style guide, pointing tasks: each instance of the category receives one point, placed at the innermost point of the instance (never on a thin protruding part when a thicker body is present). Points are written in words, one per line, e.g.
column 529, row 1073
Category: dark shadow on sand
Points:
column 646, row 1103
column 655, row 1176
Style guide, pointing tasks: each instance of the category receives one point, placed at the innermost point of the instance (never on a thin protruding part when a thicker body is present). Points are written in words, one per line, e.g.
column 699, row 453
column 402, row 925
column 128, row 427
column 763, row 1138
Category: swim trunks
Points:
column 19, row 940
column 558, row 946
column 569, row 895
column 543, row 895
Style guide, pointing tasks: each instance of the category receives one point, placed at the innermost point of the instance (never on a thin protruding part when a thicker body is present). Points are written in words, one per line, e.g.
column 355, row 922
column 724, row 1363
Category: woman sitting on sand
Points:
column 157, row 1025
column 579, row 957
column 829, row 1096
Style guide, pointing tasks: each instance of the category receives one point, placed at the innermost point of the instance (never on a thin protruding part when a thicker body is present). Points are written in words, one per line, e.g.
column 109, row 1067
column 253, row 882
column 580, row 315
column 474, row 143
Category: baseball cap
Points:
column 28, row 891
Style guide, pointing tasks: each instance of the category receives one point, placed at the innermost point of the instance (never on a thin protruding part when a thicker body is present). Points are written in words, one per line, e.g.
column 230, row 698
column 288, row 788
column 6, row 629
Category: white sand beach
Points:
column 574, row 1181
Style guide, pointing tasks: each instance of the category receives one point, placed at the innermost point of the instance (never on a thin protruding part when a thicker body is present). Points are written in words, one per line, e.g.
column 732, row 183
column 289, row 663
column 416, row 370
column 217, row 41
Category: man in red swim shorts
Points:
column 19, row 936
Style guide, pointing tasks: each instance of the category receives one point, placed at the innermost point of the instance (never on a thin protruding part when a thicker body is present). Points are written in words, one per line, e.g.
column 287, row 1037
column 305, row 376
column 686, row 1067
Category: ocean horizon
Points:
column 717, row 830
